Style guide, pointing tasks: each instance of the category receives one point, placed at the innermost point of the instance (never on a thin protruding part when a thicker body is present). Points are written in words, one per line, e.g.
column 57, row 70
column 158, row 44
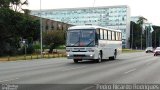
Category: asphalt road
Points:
column 61, row 73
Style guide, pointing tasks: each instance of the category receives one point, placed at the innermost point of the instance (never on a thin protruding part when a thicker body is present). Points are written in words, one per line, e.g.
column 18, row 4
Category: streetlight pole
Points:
column 151, row 39
column 94, row 3
column 25, row 50
column 132, row 37
column 141, row 37
column 159, row 41
column 41, row 29
column 118, row 23
column 146, row 37
column 155, row 39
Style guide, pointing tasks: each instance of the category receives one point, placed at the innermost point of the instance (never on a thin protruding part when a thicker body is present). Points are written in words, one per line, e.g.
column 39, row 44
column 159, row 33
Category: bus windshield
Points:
column 82, row 38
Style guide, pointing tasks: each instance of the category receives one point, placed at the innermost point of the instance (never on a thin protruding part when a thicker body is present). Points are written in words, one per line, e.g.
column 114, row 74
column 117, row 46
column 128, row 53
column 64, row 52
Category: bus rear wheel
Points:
column 113, row 57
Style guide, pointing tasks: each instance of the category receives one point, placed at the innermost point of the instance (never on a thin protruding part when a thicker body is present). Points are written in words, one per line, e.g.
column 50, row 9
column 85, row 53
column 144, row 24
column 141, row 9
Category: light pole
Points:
column 155, row 39
column 25, row 50
column 94, row 3
column 141, row 37
column 118, row 22
column 132, row 37
column 146, row 37
column 159, row 41
column 41, row 30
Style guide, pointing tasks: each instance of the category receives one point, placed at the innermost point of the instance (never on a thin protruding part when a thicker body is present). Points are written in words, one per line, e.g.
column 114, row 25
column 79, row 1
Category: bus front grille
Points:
column 79, row 51
column 79, row 55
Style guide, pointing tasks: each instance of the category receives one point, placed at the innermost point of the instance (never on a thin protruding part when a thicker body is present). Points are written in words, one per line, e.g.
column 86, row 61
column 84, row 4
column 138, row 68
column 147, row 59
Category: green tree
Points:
column 15, row 5
column 136, row 35
column 137, row 31
column 156, row 36
column 14, row 26
column 54, row 38
column 140, row 22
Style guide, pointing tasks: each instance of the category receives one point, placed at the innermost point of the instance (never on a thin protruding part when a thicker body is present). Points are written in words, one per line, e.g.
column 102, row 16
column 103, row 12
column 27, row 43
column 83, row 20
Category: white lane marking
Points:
column 87, row 88
column 130, row 70
column 8, row 80
column 73, row 68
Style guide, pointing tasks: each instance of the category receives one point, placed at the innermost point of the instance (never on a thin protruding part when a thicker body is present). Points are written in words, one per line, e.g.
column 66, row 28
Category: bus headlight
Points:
column 68, row 50
column 91, row 55
column 90, row 49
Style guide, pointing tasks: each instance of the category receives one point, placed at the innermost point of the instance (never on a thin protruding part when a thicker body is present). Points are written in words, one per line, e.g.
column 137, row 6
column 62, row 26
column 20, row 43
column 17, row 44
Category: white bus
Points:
column 93, row 43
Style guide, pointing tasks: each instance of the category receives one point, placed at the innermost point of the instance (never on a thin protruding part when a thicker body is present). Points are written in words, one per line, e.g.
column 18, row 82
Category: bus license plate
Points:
column 78, row 57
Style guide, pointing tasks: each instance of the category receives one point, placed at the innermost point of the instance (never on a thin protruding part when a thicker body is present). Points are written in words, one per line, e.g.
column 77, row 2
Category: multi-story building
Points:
column 116, row 17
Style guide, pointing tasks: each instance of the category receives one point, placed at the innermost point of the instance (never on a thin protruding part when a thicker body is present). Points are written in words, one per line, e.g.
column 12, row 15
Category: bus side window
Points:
column 97, row 36
column 113, row 35
column 120, row 36
column 101, row 34
column 109, row 35
column 105, row 34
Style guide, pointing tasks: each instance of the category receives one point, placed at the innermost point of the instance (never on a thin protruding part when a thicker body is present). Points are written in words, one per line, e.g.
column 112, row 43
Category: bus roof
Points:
column 91, row 27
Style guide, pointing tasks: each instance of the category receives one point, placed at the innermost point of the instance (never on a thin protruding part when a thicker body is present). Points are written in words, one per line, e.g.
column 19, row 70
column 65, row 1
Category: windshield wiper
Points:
column 76, row 43
column 89, row 43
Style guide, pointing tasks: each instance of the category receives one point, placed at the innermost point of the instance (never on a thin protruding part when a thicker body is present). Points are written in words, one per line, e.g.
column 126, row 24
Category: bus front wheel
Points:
column 99, row 58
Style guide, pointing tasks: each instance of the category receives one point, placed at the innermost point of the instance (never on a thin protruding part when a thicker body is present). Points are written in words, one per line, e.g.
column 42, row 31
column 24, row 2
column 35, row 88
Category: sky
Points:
column 146, row 8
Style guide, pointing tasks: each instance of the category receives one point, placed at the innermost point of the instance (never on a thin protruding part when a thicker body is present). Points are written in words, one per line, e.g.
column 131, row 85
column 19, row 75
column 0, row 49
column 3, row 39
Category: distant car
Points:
column 149, row 49
column 157, row 51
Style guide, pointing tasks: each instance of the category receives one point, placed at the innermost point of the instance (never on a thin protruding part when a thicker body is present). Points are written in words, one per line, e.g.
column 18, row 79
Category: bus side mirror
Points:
column 96, row 39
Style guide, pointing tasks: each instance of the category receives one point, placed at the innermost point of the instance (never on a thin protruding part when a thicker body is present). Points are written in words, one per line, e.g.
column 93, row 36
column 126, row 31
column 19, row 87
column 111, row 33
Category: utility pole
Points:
column 41, row 30
column 150, row 38
column 94, row 3
column 24, row 42
column 146, row 36
column 159, row 41
column 155, row 39
column 132, row 38
column 141, row 37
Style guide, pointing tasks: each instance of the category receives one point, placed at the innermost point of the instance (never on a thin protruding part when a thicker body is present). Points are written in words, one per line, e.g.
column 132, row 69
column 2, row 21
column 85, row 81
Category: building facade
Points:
column 51, row 25
column 115, row 17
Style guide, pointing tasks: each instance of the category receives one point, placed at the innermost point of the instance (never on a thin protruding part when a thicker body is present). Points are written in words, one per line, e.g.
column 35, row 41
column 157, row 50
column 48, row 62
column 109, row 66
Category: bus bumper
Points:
column 80, row 56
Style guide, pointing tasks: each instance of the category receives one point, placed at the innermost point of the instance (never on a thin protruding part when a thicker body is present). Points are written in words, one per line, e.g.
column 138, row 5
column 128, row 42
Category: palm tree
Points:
column 16, row 5
column 141, row 22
